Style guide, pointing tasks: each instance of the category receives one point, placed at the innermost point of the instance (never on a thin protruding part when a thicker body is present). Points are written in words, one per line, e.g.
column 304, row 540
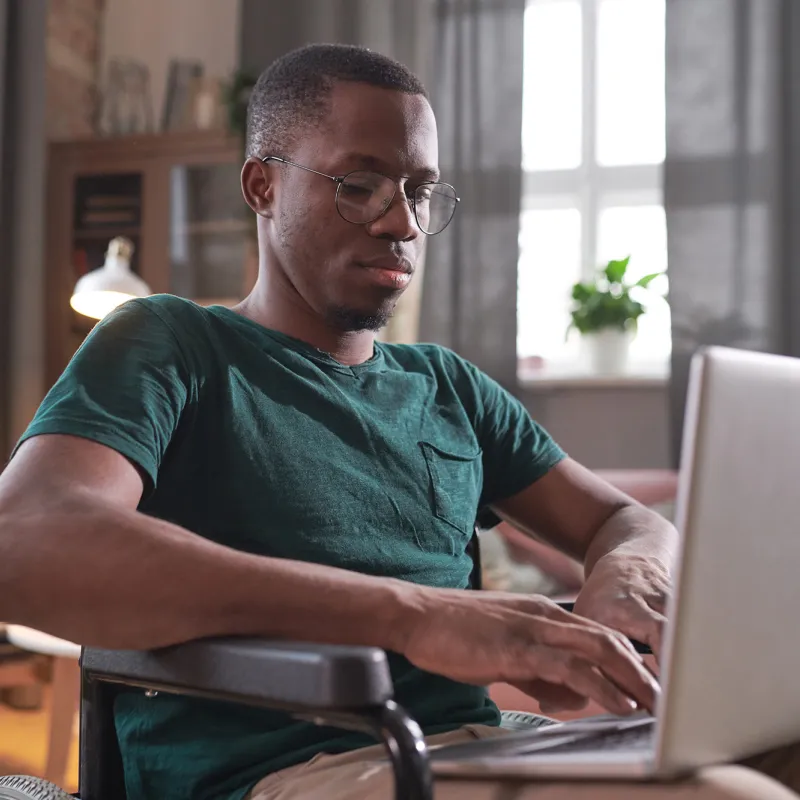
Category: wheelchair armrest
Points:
column 348, row 687
column 287, row 675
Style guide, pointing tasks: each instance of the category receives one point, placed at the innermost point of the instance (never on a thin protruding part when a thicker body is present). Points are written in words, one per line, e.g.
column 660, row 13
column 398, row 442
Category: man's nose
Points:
column 398, row 222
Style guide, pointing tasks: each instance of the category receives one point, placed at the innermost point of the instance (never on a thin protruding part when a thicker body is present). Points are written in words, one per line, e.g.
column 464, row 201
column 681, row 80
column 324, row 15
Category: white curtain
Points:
column 469, row 298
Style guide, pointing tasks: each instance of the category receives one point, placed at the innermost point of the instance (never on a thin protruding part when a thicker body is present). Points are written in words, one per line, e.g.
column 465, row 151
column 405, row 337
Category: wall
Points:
column 155, row 31
column 82, row 35
column 73, row 48
column 22, row 227
column 401, row 29
column 607, row 427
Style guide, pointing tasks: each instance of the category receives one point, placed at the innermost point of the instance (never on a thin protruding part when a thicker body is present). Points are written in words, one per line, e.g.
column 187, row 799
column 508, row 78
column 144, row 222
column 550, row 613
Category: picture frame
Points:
column 181, row 78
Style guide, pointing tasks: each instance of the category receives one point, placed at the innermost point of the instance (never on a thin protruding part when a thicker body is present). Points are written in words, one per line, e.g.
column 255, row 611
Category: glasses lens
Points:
column 435, row 204
column 363, row 196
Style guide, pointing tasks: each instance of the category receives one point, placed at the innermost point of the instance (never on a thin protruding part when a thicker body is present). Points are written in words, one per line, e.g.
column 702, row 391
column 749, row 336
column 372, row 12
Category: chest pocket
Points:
column 456, row 479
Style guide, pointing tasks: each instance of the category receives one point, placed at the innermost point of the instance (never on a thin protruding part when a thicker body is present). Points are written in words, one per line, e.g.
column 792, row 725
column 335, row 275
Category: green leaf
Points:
column 606, row 302
column 648, row 279
column 581, row 292
column 615, row 270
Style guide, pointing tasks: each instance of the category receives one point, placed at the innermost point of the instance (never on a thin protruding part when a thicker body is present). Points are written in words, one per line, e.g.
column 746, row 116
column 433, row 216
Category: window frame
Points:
column 590, row 187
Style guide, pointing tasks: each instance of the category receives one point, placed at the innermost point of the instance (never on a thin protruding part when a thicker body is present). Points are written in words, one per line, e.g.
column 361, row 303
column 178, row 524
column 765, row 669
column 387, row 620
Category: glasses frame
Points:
column 339, row 180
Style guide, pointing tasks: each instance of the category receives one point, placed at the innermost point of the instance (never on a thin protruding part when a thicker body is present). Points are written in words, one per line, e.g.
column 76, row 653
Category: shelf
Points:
column 109, row 233
column 214, row 226
column 101, row 188
column 647, row 375
column 112, row 202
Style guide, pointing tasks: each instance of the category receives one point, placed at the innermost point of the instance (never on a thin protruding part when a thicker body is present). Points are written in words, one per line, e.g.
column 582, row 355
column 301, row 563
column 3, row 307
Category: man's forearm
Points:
column 105, row 576
column 634, row 531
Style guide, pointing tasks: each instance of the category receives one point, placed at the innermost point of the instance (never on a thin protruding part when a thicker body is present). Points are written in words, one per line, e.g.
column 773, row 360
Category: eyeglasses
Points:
column 363, row 197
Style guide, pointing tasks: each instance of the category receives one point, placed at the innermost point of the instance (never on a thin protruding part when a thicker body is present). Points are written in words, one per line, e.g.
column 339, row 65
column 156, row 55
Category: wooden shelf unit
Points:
column 124, row 186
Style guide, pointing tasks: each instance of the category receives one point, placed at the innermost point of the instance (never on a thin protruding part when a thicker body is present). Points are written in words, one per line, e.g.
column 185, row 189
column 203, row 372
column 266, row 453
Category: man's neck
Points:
column 288, row 316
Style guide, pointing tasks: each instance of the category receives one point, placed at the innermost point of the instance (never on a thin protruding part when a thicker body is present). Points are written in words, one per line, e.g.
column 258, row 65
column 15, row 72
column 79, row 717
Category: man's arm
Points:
column 628, row 551
column 78, row 561
column 587, row 518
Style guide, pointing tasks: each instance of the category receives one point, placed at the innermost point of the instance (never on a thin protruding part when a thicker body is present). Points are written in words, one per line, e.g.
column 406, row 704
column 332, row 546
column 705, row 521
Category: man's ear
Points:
column 257, row 186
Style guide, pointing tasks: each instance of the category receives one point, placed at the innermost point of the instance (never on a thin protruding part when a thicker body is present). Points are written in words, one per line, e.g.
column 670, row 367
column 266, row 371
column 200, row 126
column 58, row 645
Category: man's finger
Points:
column 563, row 668
column 636, row 620
column 644, row 624
column 562, row 615
column 605, row 650
column 658, row 600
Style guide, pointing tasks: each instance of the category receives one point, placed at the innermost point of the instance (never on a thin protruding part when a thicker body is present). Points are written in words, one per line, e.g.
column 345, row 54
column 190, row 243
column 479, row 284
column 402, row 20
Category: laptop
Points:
column 731, row 659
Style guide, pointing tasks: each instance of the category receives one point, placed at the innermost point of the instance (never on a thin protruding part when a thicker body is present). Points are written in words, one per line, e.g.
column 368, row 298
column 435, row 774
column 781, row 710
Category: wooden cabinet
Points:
column 176, row 196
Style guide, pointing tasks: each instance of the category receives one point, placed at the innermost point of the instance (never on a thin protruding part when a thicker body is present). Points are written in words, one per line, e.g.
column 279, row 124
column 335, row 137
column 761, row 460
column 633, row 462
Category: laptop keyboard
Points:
column 634, row 738
column 602, row 733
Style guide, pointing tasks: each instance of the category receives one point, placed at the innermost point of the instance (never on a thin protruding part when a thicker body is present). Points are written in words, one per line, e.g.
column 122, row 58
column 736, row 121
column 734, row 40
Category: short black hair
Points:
column 293, row 92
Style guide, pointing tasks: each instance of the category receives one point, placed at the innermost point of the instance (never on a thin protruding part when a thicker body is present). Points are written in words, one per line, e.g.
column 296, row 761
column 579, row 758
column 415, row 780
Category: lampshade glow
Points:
column 99, row 292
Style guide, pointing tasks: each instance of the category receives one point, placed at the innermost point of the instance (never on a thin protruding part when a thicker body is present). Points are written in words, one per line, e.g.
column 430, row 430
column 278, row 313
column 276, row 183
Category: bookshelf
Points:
column 176, row 196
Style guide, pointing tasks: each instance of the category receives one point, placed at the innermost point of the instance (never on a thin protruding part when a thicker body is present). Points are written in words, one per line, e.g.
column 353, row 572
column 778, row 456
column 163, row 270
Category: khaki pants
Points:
column 360, row 775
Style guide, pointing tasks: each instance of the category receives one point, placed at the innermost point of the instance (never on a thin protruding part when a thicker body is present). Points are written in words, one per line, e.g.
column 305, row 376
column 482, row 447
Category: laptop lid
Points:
column 732, row 649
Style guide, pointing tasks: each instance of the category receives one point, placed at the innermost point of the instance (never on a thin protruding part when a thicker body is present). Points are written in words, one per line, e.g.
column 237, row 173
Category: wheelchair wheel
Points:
column 23, row 787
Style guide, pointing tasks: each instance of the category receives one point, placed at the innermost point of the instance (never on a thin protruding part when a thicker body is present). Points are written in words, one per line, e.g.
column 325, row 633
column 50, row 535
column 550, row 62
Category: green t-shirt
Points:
column 259, row 441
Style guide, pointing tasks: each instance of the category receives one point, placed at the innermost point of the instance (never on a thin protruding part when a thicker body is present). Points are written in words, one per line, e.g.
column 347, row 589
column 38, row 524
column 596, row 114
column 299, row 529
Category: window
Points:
column 592, row 149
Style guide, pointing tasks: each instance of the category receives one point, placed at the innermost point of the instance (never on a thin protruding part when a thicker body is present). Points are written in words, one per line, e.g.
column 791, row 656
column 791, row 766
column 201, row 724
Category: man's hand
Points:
column 531, row 643
column 626, row 549
column 629, row 594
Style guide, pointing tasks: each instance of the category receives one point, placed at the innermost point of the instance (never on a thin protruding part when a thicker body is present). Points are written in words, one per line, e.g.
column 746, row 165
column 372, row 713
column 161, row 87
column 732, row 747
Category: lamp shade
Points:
column 99, row 292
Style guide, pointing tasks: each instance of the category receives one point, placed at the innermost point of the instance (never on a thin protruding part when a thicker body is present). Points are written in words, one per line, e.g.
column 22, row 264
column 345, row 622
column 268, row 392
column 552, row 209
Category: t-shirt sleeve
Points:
column 126, row 388
column 517, row 451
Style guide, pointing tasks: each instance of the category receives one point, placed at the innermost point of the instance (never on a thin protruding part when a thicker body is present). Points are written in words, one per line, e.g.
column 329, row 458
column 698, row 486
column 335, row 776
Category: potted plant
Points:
column 236, row 95
column 606, row 315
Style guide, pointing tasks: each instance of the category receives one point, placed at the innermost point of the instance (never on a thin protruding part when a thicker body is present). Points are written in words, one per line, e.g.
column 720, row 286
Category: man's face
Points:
column 339, row 268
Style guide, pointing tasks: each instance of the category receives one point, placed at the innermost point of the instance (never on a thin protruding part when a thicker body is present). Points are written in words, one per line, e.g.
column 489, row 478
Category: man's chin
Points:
column 351, row 319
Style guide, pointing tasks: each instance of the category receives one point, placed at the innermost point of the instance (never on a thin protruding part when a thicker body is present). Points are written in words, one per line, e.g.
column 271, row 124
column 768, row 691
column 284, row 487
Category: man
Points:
column 273, row 470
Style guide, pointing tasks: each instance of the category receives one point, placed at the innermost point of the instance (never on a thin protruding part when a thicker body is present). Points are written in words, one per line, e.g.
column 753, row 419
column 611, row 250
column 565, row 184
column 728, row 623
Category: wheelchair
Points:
column 341, row 686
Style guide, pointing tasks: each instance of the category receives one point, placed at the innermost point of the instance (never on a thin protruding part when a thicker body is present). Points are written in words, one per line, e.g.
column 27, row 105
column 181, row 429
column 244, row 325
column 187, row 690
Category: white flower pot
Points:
column 606, row 351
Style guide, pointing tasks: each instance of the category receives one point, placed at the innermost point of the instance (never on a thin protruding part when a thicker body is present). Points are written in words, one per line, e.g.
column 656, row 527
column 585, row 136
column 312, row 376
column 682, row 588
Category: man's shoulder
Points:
column 161, row 329
column 439, row 362
column 171, row 309
column 181, row 321
column 425, row 355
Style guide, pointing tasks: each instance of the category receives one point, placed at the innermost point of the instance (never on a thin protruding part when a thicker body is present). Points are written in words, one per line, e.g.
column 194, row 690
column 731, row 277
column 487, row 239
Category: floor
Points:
column 23, row 743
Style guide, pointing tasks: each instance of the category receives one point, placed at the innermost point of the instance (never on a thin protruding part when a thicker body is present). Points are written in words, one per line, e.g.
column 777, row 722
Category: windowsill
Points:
column 575, row 375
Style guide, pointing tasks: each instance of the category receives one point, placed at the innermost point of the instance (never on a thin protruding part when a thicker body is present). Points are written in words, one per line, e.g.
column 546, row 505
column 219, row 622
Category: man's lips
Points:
column 390, row 272
column 389, row 263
